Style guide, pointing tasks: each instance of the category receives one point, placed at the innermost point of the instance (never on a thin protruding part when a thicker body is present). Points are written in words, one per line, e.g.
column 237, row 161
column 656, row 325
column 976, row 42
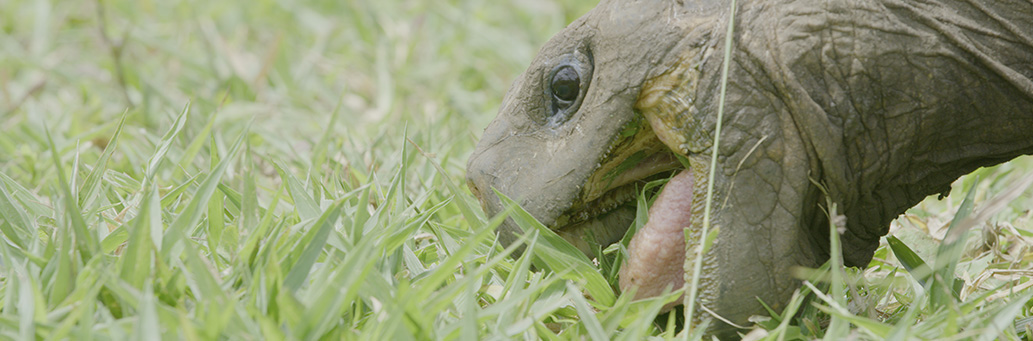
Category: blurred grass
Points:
column 269, row 170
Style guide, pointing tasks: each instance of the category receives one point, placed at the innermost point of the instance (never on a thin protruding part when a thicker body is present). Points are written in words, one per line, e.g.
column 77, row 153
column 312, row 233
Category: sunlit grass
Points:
column 269, row 170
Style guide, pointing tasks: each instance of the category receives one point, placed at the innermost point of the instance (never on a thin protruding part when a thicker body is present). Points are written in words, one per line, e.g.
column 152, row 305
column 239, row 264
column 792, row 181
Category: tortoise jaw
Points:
column 607, row 208
column 604, row 207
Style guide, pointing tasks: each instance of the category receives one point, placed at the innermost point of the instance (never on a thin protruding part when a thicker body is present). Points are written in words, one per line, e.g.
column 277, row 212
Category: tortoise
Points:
column 875, row 104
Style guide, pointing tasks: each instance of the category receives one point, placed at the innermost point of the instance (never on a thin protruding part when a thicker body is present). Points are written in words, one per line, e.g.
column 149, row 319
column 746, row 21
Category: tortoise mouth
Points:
column 604, row 207
column 608, row 203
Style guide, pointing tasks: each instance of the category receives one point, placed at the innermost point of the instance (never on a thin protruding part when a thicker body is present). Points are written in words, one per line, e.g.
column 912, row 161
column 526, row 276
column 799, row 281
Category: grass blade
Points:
column 86, row 243
column 190, row 153
column 306, row 206
column 216, row 222
column 137, row 262
column 313, row 242
column 92, row 182
column 588, row 318
column 186, row 222
column 166, row 142
column 15, row 225
column 557, row 254
column 149, row 328
column 910, row 260
column 692, row 286
column 838, row 327
column 466, row 207
column 947, row 256
column 1004, row 318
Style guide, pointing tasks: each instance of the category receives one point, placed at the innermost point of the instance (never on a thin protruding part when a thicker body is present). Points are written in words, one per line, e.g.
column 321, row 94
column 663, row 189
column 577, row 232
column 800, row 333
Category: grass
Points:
column 270, row 170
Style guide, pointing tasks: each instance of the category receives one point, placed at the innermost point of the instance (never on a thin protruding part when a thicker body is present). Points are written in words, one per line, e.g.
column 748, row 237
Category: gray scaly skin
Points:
column 881, row 102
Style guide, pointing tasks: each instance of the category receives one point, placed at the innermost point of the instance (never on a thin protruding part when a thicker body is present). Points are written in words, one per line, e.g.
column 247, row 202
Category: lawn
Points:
column 284, row 170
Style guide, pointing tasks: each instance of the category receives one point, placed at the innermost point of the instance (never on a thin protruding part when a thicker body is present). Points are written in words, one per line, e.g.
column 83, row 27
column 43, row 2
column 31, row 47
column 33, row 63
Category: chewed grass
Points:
column 271, row 170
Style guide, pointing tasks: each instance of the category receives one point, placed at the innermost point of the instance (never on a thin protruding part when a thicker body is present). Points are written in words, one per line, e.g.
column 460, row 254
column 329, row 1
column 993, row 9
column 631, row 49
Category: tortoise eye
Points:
column 565, row 85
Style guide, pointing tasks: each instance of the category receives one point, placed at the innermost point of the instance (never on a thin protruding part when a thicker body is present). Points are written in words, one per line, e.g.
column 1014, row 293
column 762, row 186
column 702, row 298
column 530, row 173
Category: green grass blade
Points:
column 236, row 199
column 172, row 196
column 27, row 302
column 306, row 206
column 902, row 330
column 947, row 256
column 114, row 239
column 463, row 200
column 203, row 283
column 86, row 243
column 794, row 305
column 313, row 246
column 432, row 281
column 362, row 215
column 249, row 207
column 216, row 217
column 260, row 232
column 166, row 142
column 692, row 286
column 914, row 264
column 468, row 319
column 557, row 254
column 137, row 261
column 838, row 327
column 996, row 325
column 319, row 151
column 588, row 318
column 63, row 272
column 92, row 182
column 186, row 222
column 342, row 287
column 15, row 222
column 149, row 328
column 190, row 153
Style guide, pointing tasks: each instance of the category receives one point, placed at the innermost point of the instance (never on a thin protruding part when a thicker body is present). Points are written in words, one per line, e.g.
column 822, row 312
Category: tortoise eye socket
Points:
column 566, row 85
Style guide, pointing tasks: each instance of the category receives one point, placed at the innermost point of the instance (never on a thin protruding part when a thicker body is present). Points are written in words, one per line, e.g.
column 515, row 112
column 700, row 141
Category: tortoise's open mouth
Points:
column 619, row 190
column 606, row 206
column 605, row 220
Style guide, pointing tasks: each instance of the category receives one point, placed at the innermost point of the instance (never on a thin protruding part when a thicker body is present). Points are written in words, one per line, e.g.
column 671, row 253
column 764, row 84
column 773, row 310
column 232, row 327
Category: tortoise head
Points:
column 568, row 143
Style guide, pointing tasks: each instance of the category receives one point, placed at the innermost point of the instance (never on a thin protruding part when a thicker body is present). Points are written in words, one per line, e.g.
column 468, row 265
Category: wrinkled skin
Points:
column 880, row 102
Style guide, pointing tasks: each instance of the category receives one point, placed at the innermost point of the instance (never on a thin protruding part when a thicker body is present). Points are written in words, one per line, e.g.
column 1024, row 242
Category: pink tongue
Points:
column 657, row 251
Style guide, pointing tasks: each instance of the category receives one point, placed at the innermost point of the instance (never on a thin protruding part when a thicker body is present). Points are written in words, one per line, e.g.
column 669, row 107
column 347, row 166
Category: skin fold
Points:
column 882, row 103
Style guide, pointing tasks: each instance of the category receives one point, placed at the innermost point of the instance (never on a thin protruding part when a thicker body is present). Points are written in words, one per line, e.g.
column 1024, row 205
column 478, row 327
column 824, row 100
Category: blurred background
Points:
column 429, row 67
